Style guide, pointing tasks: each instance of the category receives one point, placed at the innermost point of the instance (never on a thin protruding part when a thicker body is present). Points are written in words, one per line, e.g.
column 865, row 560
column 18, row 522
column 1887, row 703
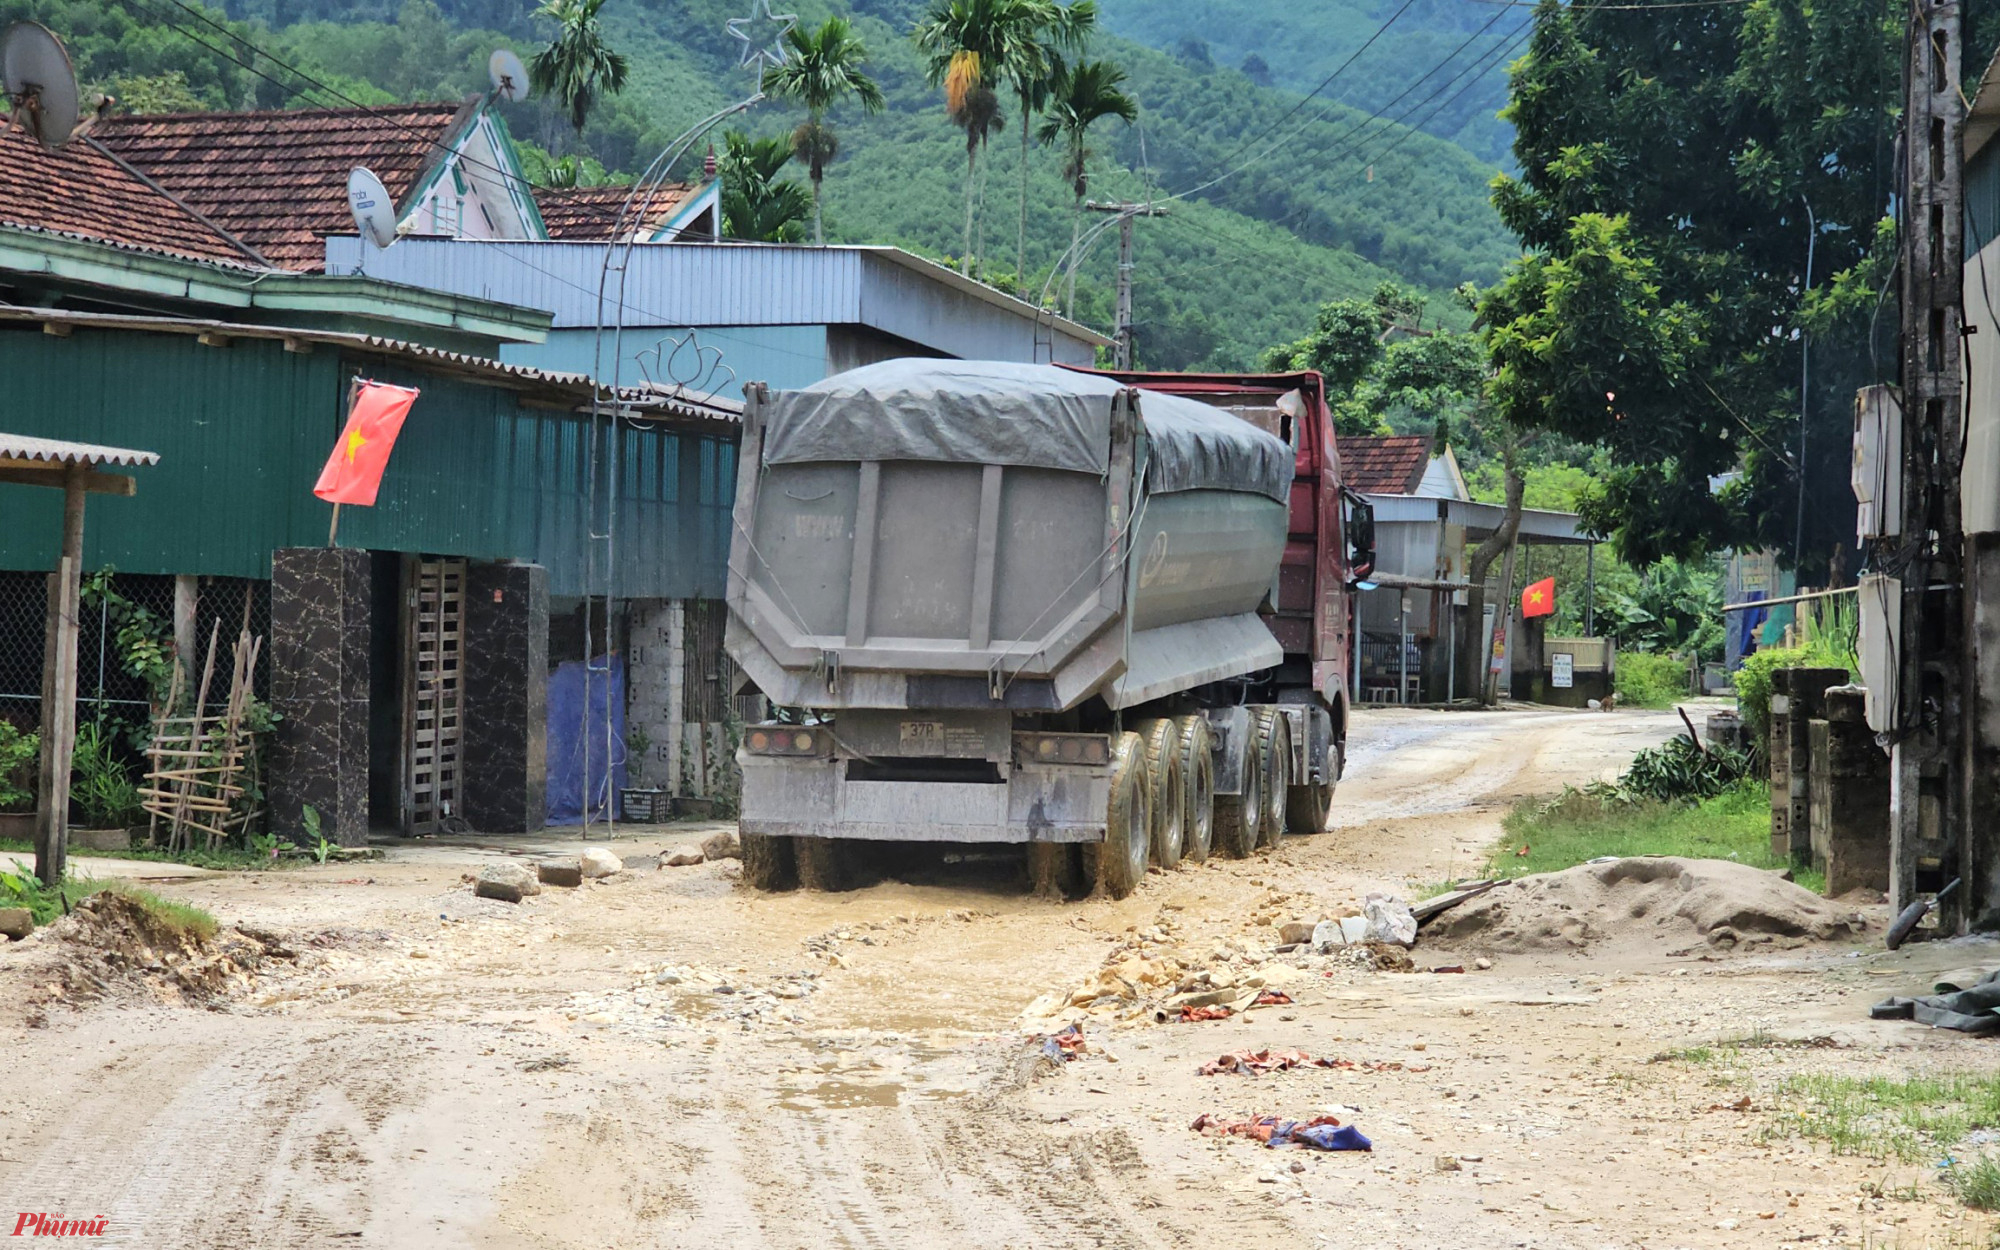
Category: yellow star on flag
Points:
column 354, row 444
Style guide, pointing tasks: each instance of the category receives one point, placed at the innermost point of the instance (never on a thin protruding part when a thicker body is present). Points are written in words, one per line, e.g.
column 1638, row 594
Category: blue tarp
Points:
column 571, row 749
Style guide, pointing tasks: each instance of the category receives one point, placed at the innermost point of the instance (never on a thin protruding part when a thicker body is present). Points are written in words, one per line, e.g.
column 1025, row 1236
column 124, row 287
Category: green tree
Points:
column 1081, row 95
column 577, row 66
column 757, row 205
column 1060, row 31
column 968, row 45
column 1659, row 317
column 824, row 68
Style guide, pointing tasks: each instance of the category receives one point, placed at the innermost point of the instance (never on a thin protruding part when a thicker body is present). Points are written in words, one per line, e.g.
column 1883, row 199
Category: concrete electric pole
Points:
column 1931, row 786
column 1126, row 212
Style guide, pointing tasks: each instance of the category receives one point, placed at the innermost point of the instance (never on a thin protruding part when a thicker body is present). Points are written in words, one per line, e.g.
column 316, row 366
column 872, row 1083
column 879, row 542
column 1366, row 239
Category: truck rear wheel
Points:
column 1163, row 786
column 767, row 862
column 822, row 864
column 1310, row 803
column 1274, row 766
column 1128, row 824
column 1197, row 787
column 1237, row 816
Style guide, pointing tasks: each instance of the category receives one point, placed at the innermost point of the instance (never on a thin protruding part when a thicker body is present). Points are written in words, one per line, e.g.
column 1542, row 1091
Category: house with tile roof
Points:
column 679, row 212
column 277, row 181
column 150, row 292
column 1426, row 523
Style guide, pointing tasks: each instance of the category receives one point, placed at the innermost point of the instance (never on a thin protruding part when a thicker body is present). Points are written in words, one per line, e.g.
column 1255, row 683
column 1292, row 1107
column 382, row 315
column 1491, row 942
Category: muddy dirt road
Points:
column 665, row 1059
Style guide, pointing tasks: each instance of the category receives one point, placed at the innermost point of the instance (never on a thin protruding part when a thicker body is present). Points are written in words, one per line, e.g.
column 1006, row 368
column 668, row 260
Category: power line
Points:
column 1301, row 103
column 1258, row 156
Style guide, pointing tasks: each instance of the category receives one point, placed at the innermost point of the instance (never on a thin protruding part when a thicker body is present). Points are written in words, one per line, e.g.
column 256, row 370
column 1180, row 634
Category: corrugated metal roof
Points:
column 656, row 402
column 730, row 284
column 1537, row 525
column 55, row 451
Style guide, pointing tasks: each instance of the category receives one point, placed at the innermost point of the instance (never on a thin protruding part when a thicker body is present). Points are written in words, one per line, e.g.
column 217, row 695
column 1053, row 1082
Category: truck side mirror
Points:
column 1360, row 536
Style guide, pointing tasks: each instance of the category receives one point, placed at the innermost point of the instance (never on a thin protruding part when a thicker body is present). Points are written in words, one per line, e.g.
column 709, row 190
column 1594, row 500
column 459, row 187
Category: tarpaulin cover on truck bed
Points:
column 996, row 412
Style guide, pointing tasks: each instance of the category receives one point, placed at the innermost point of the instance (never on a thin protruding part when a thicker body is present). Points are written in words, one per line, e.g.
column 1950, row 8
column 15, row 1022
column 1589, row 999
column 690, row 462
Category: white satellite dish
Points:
column 374, row 211
column 510, row 77
column 40, row 85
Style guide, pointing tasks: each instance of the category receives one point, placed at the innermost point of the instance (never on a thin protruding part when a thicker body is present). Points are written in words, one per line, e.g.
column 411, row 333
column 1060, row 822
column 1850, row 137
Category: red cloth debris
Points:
column 1272, row 998
column 1191, row 1014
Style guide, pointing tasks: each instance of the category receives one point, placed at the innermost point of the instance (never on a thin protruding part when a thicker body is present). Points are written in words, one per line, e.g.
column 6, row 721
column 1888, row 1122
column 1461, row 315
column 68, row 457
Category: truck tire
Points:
column 1197, row 787
column 1163, row 785
column 822, row 864
column 1308, row 805
column 1128, row 825
column 1273, row 741
column 1238, row 815
column 767, row 862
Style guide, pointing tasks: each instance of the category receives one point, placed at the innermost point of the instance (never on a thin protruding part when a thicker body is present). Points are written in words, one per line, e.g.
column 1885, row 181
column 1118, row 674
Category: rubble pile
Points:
column 669, row 998
column 111, row 948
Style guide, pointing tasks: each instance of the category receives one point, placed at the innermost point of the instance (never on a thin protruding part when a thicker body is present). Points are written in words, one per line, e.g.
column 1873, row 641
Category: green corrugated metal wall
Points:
column 242, row 432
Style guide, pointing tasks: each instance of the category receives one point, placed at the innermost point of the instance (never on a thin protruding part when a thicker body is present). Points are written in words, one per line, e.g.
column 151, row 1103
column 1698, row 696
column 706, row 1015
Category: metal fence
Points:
column 135, row 605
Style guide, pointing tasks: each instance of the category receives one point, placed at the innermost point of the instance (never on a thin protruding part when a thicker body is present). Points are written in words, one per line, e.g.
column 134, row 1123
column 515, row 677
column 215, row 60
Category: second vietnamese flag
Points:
column 353, row 473
column 1539, row 599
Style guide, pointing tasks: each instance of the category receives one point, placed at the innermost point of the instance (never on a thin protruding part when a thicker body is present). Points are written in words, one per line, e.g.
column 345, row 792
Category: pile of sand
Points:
column 1656, row 897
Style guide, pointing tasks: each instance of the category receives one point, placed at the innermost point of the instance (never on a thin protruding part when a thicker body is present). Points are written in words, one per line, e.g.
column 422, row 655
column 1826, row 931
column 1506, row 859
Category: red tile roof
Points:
column 1392, row 465
column 587, row 213
column 278, row 181
column 78, row 190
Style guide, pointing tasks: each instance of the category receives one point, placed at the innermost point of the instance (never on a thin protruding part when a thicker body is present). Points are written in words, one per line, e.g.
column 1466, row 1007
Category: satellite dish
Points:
column 510, row 77
column 40, row 85
column 374, row 211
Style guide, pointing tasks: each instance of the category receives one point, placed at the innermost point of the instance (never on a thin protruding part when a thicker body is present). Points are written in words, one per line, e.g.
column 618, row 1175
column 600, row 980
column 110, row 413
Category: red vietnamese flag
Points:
column 1539, row 599
column 353, row 473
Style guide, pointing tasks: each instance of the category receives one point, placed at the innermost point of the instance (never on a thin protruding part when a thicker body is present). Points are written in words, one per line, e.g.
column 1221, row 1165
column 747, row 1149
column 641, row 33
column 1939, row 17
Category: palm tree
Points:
column 824, row 66
column 755, row 205
column 1060, row 31
column 1080, row 95
column 577, row 65
column 969, row 45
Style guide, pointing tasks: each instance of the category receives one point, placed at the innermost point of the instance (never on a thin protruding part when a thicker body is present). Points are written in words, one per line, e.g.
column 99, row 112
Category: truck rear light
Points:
column 1083, row 750
column 785, row 740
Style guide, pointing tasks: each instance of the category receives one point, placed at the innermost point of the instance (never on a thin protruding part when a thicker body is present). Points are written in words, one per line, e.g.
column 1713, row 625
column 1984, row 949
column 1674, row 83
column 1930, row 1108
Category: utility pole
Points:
column 1126, row 212
column 1931, row 786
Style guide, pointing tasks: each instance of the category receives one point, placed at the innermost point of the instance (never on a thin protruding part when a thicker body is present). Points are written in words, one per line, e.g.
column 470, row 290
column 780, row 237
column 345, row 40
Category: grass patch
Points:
column 183, row 920
column 1578, row 827
column 228, row 859
column 1913, row 1120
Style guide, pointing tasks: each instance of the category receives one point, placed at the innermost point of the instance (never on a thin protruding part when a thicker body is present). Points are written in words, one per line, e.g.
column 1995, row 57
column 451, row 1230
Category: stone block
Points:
column 16, row 922
column 509, row 881
column 566, row 873
column 1850, row 806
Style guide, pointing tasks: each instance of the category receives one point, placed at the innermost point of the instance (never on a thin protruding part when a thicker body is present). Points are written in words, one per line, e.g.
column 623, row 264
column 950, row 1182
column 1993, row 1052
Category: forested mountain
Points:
column 1296, row 46
column 1292, row 217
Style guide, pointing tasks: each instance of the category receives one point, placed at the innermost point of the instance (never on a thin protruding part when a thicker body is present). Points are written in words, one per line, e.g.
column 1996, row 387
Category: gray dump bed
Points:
column 940, row 533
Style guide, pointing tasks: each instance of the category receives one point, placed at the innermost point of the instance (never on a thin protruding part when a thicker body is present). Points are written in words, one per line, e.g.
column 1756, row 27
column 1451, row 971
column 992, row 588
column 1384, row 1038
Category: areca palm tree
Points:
column 1081, row 95
column 577, row 65
column 824, row 67
column 969, row 45
column 1060, row 32
column 756, row 204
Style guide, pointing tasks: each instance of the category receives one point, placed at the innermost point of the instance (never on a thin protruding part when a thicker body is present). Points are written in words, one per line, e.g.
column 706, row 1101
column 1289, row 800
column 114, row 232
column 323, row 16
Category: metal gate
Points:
column 434, row 702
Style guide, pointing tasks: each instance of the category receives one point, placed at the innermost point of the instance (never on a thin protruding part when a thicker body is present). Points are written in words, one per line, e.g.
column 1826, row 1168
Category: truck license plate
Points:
column 922, row 737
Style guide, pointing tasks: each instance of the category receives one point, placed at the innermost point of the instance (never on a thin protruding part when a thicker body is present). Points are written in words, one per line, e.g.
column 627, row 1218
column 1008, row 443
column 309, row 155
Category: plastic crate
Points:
column 646, row 806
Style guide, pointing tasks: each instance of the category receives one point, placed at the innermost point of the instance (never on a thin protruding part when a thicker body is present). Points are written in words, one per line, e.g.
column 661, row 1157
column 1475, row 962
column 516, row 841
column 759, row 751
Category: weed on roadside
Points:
column 183, row 920
column 1577, row 826
column 1977, row 1184
column 1909, row 1119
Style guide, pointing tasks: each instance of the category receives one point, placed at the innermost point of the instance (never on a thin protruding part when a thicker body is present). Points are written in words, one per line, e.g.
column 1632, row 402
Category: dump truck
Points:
column 1090, row 615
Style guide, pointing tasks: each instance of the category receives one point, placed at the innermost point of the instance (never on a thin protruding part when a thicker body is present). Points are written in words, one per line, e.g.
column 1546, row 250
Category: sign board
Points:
column 1562, row 670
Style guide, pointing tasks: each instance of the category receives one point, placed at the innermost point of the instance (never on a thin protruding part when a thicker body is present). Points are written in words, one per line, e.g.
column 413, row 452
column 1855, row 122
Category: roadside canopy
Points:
column 76, row 470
